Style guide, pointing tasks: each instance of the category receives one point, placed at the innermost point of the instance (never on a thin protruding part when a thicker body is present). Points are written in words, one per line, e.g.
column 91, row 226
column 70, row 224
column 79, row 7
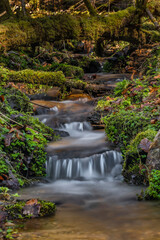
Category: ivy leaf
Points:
column 145, row 145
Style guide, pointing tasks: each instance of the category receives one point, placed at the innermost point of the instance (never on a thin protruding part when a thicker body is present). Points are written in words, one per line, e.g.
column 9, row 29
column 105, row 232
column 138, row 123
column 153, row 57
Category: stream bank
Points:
column 82, row 156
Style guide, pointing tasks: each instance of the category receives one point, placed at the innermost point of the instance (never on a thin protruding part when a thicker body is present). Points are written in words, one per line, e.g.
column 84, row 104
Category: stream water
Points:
column 86, row 183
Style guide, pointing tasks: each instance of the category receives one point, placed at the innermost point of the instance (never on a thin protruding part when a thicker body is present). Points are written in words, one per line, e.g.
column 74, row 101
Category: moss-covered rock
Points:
column 134, row 170
column 123, row 126
column 30, row 209
column 65, row 26
column 44, row 78
column 134, row 154
column 16, row 100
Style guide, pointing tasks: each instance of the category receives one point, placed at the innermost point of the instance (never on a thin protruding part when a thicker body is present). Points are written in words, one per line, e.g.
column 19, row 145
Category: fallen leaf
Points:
column 153, row 121
column 32, row 208
column 32, row 201
column 2, row 98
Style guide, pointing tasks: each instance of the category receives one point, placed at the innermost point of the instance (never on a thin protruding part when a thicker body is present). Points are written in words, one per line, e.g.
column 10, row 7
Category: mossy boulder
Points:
column 70, row 71
column 37, row 77
column 134, row 170
column 123, row 126
column 30, row 209
column 16, row 100
column 134, row 154
column 44, row 78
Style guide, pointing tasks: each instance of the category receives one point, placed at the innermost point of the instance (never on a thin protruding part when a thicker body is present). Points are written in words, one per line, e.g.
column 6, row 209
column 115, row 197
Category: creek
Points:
column 85, row 181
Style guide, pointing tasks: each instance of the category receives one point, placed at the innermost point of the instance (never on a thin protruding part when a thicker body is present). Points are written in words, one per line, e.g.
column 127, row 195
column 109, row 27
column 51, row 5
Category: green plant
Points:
column 108, row 66
column 120, row 87
column 4, row 189
column 153, row 191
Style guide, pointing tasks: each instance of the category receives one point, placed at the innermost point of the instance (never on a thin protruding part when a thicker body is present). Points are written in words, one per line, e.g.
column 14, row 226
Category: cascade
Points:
column 97, row 166
column 82, row 154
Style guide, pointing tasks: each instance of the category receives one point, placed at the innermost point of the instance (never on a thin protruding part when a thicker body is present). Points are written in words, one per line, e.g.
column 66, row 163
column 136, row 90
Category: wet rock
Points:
column 134, row 178
column 98, row 127
column 61, row 133
column 94, row 118
column 76, row 91
column 32, row 208
column 80, row 96
column 153, row 158
column 9, row 224
column 11, row 183
column 51, row 94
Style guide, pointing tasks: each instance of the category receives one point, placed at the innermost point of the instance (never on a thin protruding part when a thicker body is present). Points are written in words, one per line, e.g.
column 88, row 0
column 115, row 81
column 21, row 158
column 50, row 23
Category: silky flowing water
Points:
column 85, row 182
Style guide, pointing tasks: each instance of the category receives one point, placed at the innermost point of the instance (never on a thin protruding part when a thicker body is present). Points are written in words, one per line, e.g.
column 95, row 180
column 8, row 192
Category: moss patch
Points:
column 16, row 210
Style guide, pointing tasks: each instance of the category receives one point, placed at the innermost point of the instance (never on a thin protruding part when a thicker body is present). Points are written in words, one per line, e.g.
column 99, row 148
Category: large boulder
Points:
column 153, row 158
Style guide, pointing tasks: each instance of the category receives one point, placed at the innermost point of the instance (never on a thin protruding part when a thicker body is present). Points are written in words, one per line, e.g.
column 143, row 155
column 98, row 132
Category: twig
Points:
column 11, row 119
column 153, row 19
column 4, row 121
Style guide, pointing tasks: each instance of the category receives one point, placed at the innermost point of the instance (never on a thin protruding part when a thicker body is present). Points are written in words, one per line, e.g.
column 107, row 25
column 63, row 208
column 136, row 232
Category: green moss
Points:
column 124, row 125
column 60, row 27
column 15, row 210
column 70, row 71
column 4, row 166
column 133, row 146
column 14, row 34
column 134, row 157
column 37, row 77
column 17, row 100
column 45, row 78
column 47, row 208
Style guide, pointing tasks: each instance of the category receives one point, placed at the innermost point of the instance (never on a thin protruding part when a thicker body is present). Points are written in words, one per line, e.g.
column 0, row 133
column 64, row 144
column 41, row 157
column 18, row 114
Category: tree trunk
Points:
column 90, row 8
column 23, row 7
column 109, row 6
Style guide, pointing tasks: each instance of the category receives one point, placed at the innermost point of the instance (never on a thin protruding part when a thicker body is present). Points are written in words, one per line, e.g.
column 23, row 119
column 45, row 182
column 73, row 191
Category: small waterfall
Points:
column 107, row 164
column 77, row 126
